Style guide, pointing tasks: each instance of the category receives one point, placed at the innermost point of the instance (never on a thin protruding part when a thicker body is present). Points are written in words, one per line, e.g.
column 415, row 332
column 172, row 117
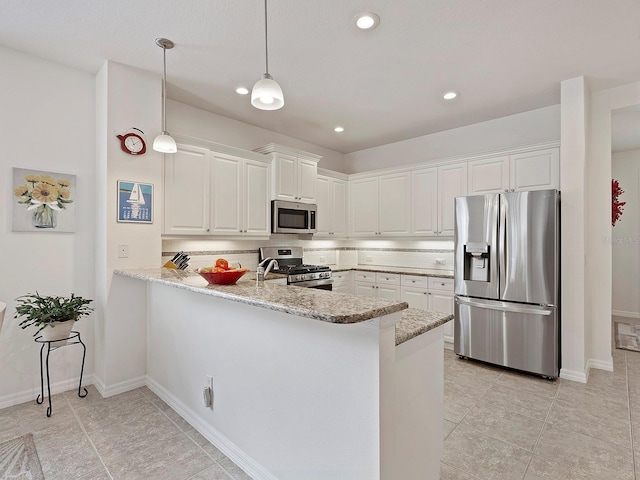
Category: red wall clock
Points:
column 133, row 142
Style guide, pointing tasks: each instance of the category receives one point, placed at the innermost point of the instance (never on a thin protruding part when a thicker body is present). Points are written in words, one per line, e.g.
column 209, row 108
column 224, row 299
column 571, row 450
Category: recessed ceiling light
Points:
column 242, row 91
column 449, row 95
column 339, row 129
column 366, row 21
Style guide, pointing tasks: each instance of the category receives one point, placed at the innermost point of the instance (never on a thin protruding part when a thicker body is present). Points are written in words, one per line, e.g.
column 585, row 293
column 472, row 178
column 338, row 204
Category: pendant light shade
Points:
column 164, row 143
column 266, row 93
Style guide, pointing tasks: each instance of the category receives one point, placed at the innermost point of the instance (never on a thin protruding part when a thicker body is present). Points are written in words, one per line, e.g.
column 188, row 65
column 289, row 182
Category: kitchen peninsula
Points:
column 307, row 384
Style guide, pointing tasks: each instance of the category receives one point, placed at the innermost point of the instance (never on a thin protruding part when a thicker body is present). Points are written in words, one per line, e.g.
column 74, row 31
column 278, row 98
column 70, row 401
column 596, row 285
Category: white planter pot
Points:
column 58, row 331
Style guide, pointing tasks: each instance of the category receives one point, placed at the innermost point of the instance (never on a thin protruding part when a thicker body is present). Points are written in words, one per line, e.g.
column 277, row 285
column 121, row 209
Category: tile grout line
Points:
column 84, row 430
column 216, row 462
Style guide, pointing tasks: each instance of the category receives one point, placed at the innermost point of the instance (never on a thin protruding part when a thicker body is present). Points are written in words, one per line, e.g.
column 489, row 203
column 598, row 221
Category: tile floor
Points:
column 498, row 425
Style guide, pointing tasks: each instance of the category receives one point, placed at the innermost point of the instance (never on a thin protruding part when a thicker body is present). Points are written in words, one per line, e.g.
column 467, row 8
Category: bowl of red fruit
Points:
column 221, row 273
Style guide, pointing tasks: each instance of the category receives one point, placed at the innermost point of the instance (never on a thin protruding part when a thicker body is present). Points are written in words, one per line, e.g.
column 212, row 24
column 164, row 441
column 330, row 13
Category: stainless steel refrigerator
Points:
column 507, row 280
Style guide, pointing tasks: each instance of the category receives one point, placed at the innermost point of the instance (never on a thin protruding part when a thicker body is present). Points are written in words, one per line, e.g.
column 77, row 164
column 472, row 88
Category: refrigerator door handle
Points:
column 502, row 245
column 504, row 307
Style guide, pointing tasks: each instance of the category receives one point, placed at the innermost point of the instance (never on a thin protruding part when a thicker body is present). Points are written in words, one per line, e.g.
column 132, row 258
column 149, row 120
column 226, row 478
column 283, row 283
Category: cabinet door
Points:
column 538, row 170
column 424, row 202
column 286, row 176
column 443, row 302
column 364, row 289
column 187, row 182
column 415, row 297
column 306, row 178
column 489, row 175
column 452, row 183
column 257, row 207
column 324, row 205
column 226, row 195
column 363, row 207
column 388, row 292
column 339, row 200
column 394, row 200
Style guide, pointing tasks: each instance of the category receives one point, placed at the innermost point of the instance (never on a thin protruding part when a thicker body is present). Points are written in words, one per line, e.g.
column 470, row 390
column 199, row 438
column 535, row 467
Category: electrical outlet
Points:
column 123, row 251
column 209, row 395
column 441, row 261
column 322, row 259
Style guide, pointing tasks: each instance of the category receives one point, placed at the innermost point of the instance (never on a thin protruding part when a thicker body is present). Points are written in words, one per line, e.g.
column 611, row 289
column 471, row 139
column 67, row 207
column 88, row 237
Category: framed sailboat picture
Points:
column 135, row 202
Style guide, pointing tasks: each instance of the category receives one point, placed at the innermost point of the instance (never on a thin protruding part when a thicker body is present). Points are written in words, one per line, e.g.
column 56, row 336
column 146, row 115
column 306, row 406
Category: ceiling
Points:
column 502, row 56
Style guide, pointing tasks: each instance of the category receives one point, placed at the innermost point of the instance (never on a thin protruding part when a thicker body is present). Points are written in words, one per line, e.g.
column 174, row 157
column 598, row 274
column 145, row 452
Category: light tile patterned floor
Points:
column 498, row 425
column 503, row 425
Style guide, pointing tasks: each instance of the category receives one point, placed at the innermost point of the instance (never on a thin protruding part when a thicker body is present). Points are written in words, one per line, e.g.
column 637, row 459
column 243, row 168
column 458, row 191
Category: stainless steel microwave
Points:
column 292, row 217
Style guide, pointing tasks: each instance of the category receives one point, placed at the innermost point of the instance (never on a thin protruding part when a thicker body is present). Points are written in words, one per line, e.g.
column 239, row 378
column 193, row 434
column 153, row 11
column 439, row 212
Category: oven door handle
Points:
column 312, row 283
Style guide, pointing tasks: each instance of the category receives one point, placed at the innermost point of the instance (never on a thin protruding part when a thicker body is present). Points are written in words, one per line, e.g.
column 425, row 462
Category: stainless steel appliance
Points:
column 507, row 280
column 288, row 261
column 292, row 217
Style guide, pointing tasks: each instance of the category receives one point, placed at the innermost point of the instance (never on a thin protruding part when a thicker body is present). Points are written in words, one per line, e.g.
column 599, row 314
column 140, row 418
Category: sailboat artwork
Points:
column 135, row 202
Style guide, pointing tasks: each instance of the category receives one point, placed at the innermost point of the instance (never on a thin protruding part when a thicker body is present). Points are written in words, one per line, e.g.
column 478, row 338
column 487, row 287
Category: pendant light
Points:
column 164, row 142
column 266, row 93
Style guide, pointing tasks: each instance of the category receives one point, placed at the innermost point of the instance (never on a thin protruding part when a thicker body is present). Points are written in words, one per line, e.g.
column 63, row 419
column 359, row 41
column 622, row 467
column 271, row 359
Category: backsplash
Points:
column 432, row 254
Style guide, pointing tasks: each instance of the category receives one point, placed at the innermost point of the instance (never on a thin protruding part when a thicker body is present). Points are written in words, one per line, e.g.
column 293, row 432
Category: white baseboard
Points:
column 226, row 446
column 31, row 395
column 622, row 313
column 600, row 365
column 120, row 387
column 573, row 375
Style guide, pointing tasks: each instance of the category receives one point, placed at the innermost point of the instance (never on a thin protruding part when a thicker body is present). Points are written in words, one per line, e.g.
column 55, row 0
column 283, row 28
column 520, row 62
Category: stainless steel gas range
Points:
column 288, row 261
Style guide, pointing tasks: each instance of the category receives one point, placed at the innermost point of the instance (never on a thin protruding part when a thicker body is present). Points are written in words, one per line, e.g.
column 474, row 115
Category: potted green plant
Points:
column 53, row 316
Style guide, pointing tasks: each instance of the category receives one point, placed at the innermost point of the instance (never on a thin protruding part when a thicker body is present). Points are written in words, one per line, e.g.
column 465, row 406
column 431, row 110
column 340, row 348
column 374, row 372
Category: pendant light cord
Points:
column 164, row 89
column 266, row 46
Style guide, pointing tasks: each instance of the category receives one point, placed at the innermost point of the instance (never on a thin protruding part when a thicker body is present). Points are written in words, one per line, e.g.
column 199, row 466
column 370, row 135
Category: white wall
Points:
column 194, row 122
column 625, row 237
column 536, row 126
column 46, row 123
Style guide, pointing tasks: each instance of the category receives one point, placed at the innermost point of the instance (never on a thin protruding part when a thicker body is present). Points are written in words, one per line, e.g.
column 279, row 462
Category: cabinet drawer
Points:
column 365, row 277
column 441, row 284
column 414, row 281
column 388, row 278
column 340, row 277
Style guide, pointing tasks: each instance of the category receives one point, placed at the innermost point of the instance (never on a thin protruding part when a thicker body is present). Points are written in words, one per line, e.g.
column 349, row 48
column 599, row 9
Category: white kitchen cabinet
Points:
column 424, row 202
column 378, row 285
column 186, row 191
column 240, row 196
column 441, row 300
column 536, row 170
column 215, row 193
column 488, row 175
column 432, row 199
column 380, row 205
column 331, row 199
column 363, row 207
column 430, row 293
column 343, row 282
column 452, row 183
column 294, row 173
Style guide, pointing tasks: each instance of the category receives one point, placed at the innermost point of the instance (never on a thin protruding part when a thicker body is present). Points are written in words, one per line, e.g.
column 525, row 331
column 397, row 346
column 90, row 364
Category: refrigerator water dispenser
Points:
column 476, row 262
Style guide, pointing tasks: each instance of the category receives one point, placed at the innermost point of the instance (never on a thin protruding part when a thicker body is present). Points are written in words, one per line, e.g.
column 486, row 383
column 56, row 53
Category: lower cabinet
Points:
column 377, row 285
column 430, row 293
column 342, row 282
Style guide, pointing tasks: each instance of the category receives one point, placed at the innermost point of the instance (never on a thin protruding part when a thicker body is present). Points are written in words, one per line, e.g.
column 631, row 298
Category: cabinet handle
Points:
column 207, row 229
column 506, row 189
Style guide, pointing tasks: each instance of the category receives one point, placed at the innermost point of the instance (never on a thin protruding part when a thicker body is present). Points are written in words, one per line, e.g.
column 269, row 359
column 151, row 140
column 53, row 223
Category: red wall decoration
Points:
column 616, row 205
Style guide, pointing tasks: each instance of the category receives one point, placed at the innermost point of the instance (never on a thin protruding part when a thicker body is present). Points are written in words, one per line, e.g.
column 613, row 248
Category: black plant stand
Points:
column 72, row 339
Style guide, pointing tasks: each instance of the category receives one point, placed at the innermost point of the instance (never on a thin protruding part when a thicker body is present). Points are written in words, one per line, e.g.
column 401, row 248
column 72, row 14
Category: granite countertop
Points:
column 416, row 321
column 424, row 272
column 306, row 302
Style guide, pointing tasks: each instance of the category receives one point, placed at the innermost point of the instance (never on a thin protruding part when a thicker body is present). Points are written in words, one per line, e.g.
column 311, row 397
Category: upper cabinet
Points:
column 331, row 199
column 186, row 191
column 294, row 173
column 535, row 170
column 211, row 192
column 380, row 205
column 433, row 191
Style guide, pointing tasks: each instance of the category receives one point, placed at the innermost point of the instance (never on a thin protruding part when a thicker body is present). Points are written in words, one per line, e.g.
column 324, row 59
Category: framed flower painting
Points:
column 43, row 201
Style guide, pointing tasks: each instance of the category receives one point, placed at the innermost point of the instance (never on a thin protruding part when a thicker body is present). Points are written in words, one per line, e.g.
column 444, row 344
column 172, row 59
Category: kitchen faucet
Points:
column 271, row 263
